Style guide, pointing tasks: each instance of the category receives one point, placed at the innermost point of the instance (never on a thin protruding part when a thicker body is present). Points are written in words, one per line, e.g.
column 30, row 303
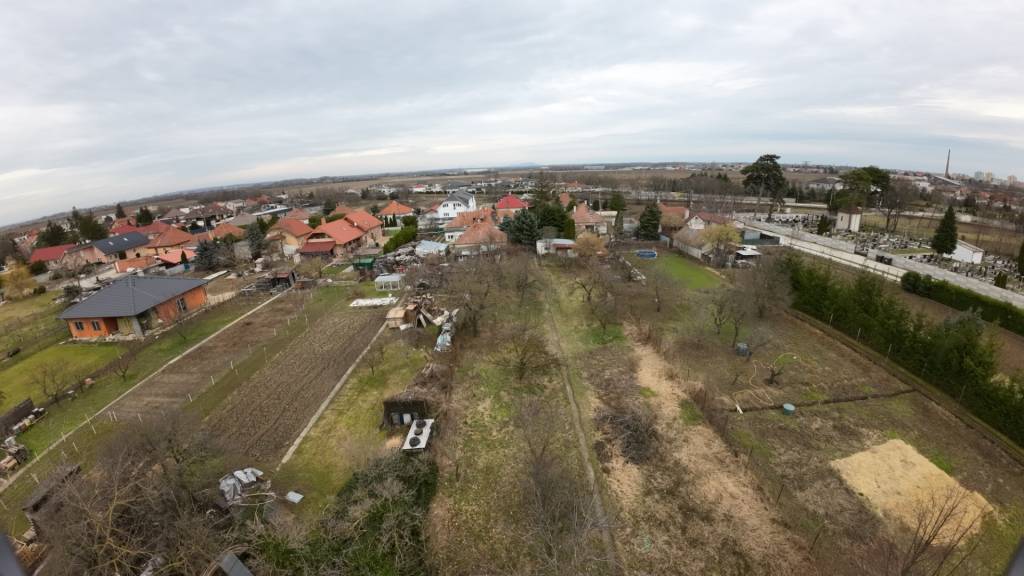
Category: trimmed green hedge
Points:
column 956, row 356
column 1005, row 314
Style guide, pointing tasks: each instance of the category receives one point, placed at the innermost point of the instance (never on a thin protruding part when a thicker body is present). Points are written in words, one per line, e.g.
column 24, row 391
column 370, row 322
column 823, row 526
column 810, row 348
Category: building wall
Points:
column 168, row 311
column 107, row 326
column 374, row 237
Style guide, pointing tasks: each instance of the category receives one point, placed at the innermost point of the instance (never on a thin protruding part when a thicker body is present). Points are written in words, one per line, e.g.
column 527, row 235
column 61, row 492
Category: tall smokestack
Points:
column 948, row 152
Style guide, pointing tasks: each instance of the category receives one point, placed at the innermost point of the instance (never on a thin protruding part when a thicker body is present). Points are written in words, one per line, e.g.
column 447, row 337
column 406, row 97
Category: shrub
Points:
column 954, row 355
column 404, row 236
column 37, row 268
column 376, row 525
column 1003, row 313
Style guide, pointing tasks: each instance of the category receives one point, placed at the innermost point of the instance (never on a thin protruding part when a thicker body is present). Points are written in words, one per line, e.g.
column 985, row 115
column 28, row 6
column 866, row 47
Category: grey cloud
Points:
column 110, row 100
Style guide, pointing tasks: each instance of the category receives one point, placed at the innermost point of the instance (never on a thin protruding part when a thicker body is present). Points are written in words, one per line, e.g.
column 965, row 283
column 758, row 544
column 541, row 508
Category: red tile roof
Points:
column 510, row 202
column 484, row 232
column 564, row 199
column 468, row 218
column 298, row 214
column 340, row 231
column 174, row 256
column 224, row 229
column 171, row 237
column 118, row 229
column 583, row 215
column 342, row 209
column 317, row 246
column 154, row 229
column 363, row 220
column 394, row 208
column 294, row 227
column 137, row 263
column 49, row 253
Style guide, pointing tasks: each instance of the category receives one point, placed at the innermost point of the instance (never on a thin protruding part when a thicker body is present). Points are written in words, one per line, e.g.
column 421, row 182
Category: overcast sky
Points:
column 112, row 100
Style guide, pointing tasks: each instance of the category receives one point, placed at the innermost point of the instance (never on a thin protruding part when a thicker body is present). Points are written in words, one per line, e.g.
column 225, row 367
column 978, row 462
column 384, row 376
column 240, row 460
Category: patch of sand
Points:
column 898, row 482
column 719, row 479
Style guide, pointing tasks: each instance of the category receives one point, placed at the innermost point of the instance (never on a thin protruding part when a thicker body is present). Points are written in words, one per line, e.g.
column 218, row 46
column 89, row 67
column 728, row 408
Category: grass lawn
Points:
column 73, row 362
column 348, row 433
column 688, row 273
column 19, row 309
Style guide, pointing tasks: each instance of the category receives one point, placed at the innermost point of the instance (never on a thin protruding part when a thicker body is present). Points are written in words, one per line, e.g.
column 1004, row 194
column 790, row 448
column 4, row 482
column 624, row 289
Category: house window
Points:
column 182, row 306
column 79, row 326
column 95, row 325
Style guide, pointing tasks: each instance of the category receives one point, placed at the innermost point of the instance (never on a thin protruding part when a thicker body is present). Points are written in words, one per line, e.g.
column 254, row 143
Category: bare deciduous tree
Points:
column 940, row 541
column 559, row 515
column 123, row 363
column 526, row 354
column 145, row 504
column 51, row 380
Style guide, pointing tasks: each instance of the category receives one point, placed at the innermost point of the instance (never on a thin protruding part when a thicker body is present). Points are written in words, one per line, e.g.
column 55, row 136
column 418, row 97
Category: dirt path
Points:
column 719, row 482
column 262, row 417
column 583, row 444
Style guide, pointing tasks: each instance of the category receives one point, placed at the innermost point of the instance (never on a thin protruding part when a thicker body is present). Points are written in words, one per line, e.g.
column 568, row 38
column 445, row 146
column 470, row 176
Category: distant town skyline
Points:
column 114, row 100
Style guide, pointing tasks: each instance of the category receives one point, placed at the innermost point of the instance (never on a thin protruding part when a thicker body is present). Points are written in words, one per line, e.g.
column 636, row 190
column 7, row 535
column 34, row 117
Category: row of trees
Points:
column 956, row 355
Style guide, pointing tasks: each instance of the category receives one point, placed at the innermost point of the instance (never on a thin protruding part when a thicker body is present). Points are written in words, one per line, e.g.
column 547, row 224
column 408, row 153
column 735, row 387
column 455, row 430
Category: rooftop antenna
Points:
column 948, row 152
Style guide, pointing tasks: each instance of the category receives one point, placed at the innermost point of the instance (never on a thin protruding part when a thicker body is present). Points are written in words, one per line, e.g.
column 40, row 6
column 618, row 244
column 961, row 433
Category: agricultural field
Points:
column 349, row 431
column 513, row 489
column 668, row 477
column 856, row 423
column 264, row 413
column 78, row 419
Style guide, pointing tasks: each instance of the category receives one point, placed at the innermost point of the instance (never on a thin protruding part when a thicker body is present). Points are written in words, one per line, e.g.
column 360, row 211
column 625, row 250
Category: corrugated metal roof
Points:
column 130, row 296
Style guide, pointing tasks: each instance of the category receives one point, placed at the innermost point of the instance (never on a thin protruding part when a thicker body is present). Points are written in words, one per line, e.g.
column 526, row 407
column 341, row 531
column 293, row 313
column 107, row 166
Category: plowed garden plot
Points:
column 191, row 374
column 266, row 412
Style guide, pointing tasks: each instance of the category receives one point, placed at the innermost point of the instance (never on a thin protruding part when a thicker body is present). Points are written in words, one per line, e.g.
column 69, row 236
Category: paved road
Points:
column 841, row 251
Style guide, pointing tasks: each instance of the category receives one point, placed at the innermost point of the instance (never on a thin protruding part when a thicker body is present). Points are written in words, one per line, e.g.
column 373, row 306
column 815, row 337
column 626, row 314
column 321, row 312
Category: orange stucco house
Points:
column 135, row 305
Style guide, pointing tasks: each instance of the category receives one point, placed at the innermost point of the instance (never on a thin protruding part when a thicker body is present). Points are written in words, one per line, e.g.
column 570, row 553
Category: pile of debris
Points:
column 245, row 487
column 401, row 259
column 444, row 339
column 421, row 310
column 15, row 455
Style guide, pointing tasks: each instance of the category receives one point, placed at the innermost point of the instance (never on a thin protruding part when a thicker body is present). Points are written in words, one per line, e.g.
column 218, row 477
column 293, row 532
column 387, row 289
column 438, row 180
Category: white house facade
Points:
column 455, row 204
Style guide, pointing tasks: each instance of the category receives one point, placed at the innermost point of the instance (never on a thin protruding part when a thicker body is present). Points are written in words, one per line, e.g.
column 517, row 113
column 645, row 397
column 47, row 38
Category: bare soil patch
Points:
column 698, row 495
column 265, row 414
column 191, row 374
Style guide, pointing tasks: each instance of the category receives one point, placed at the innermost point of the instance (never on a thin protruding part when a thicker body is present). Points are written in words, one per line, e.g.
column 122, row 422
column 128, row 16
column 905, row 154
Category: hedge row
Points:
column 1005, row 314
column 955, row 356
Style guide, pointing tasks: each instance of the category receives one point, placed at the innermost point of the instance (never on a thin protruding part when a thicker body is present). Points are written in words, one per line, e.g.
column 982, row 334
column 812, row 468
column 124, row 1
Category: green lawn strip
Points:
column 348, row 433
column 29, row 325
column 20, row 309
column 74, row 361
column 688, row 273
